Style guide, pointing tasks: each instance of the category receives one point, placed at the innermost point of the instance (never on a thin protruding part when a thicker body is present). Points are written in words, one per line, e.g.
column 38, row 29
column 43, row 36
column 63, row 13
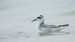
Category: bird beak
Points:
column 33, row 20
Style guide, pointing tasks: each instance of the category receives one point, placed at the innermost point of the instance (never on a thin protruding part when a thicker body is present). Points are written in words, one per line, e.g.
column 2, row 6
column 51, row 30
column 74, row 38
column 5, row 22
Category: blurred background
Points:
column 16, row 17
column 37, row 7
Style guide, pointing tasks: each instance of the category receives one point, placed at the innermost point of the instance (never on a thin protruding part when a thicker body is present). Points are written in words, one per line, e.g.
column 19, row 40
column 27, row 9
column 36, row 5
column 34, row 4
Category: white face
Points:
column 38, row 18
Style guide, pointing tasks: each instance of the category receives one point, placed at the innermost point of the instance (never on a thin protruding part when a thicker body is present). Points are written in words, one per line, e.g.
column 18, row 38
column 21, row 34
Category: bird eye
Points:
column 39, row 17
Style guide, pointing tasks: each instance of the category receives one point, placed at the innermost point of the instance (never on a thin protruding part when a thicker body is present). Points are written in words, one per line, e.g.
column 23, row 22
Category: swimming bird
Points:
column 44, row 27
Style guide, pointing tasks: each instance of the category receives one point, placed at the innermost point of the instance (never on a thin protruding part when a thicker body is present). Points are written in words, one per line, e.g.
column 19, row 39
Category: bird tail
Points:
column 64, row 25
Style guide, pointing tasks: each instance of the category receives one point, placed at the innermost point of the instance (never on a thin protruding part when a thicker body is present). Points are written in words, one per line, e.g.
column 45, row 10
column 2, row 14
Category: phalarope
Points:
column 45, row 27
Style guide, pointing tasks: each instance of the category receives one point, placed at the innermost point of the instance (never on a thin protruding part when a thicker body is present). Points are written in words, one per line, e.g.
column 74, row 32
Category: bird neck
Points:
column 42, row 22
